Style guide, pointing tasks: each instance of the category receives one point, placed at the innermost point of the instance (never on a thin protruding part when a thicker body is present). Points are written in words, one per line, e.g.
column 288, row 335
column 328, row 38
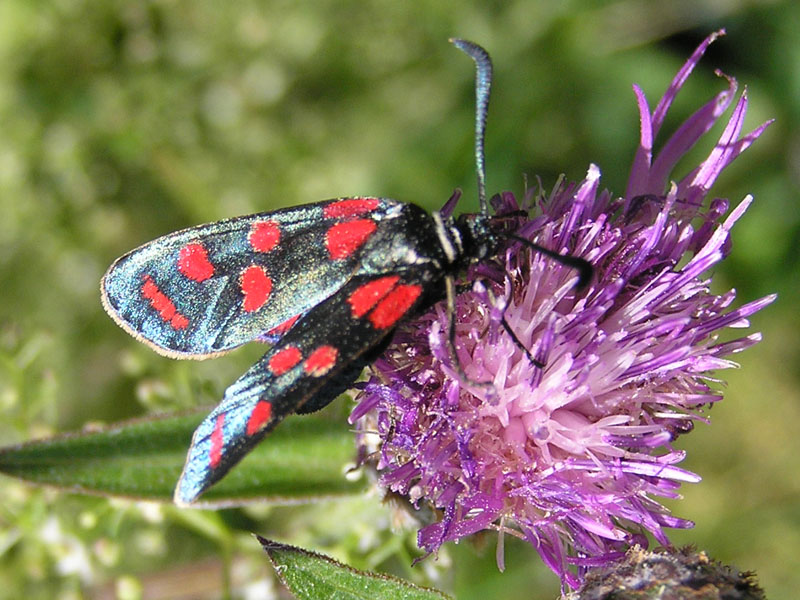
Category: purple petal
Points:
column 638, row 182
column 687, row 136
column 660, row 113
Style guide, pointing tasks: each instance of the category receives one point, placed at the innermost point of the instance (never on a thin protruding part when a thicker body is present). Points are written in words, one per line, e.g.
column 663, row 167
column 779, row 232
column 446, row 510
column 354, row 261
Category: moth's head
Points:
column 478, row 237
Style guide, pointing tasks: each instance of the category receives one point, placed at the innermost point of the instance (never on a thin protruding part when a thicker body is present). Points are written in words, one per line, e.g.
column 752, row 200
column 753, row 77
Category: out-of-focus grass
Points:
column 123, row 121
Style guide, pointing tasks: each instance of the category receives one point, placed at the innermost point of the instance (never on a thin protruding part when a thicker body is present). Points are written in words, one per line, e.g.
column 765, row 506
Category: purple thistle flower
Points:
column 575, row 455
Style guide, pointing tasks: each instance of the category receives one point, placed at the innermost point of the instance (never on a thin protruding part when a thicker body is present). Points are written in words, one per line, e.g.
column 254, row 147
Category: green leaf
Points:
column 306, row 457
column 310, row 576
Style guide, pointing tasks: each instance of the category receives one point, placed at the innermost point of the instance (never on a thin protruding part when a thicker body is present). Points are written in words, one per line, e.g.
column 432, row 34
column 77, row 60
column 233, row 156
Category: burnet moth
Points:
column 325, row 284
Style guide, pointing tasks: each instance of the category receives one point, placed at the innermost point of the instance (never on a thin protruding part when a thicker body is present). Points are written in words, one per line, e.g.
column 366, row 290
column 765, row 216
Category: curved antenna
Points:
column 483, row 87
column 583, row 267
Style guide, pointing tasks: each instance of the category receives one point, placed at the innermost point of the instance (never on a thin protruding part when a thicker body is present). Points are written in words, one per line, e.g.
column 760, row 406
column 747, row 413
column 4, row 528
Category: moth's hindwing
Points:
column 205, row 290
column 314, row 361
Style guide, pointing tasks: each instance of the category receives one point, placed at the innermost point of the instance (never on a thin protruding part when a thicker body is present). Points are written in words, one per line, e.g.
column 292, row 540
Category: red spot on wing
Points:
column 264, row 236
column 342, row 239
column 352, row 207
column 259, row 417
column 165, row 307
column 217, row 440
column 367, row 296
column 179, row 321
column 284, row 359
column 256, row 287
column 396, row 304
column 284, row 327
column 321, row 361
column 193, row 262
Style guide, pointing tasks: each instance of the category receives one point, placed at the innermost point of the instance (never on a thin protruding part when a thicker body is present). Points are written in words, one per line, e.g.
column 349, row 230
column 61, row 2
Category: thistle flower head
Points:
column 573, row 454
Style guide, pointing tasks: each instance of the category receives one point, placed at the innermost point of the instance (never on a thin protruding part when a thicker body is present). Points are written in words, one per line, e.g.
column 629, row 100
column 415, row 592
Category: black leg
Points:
column 451, row 338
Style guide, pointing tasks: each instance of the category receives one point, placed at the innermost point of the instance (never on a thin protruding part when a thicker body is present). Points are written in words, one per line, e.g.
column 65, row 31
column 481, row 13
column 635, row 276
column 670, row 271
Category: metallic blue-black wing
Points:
column 202, row 291
column 311, row 364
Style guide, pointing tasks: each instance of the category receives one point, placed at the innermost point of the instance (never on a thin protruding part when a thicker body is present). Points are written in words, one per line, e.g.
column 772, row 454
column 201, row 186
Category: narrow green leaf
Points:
column 310, row 576
column 306, row 457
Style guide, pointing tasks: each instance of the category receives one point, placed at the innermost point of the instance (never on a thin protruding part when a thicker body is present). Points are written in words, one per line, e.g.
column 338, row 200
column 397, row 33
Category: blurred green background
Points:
column 121, row 121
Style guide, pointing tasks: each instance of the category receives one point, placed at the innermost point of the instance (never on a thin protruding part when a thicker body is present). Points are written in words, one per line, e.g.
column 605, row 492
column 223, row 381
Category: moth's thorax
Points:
column 408, row 238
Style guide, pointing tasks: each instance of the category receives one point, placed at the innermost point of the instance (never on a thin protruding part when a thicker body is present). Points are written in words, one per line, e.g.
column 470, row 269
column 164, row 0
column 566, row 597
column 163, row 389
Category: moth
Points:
column 325, row 284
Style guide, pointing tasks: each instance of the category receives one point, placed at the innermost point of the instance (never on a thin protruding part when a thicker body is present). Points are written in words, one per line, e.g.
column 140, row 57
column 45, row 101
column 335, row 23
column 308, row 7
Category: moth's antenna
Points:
column 583, row 267
column 483, row 87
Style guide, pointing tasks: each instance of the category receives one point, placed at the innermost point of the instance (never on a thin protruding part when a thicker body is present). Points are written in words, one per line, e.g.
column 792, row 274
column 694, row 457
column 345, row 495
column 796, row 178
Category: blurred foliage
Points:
column 122, row 121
